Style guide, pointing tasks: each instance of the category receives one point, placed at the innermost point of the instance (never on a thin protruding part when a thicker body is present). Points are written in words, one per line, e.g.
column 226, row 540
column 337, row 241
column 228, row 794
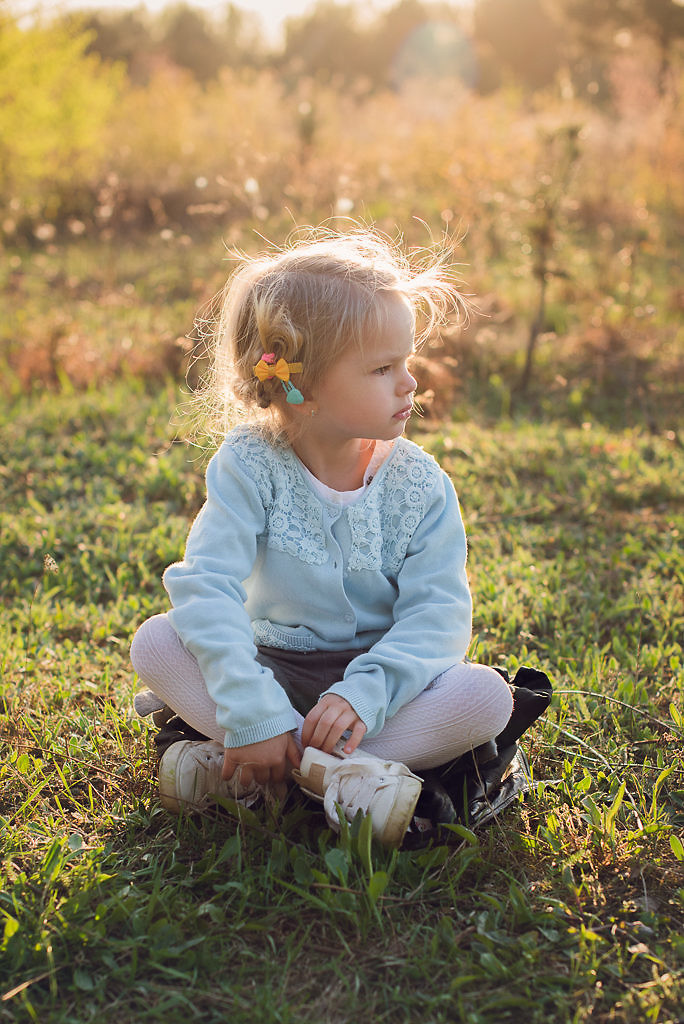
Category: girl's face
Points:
column 369, row 394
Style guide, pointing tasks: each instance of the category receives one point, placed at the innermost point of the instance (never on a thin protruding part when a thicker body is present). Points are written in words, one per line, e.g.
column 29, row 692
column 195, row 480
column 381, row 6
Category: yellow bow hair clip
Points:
column 268, row 367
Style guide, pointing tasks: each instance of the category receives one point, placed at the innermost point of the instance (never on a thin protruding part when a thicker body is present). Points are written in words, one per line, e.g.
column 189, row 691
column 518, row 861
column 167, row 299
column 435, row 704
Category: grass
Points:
column 568, row 909
column 126, row 307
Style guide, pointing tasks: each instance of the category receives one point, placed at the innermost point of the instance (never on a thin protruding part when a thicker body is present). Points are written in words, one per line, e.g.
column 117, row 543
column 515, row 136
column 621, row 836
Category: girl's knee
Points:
column 150, row 637
column 497, row 693
column 484, row 691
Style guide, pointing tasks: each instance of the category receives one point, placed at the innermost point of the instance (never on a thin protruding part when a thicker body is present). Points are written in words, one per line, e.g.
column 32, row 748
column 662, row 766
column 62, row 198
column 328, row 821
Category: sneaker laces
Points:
column 212, row 764
column 352, row 788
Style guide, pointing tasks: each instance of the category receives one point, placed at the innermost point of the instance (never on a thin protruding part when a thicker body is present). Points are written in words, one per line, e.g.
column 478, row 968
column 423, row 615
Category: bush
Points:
column 55, row 102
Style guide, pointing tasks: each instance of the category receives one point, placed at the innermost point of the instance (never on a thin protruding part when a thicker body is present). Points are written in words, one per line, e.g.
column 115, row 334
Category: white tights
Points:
column 459, row 710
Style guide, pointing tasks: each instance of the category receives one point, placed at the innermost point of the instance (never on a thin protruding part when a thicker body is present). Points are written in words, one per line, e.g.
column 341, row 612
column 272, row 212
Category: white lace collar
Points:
column 381, row 520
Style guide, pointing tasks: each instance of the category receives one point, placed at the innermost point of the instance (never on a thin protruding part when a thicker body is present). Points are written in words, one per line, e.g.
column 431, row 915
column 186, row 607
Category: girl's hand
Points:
column 265, row 762
column 326, row 722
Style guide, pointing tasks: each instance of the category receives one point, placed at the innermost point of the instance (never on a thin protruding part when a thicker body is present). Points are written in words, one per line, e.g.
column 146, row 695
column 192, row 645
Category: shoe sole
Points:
column 401, row 815
column 168, row 776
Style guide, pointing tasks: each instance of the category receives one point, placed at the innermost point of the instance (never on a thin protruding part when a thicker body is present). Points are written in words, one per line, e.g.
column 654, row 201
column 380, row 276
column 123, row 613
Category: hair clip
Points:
column 268, row 367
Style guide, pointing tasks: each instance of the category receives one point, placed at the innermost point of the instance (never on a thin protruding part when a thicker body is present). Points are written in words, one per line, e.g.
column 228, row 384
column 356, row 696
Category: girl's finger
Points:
column 328, row 733
column 245, row 775
column 358, row 732
column 307, row 730
column 261, row 775
column 334, row 734
column 292, row 752
column 318, row 733
column 311, row 723
column 337, row 729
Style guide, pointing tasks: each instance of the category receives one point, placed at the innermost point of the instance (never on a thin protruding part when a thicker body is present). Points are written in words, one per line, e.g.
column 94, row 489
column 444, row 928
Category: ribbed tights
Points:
column 465, row 706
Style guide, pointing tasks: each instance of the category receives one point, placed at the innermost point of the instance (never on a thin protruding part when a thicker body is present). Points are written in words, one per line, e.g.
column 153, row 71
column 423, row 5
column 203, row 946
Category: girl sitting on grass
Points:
column 321, row 615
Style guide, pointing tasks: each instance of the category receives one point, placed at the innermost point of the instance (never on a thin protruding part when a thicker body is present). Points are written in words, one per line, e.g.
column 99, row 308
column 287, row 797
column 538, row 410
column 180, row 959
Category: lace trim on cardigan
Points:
column 382, row 526
column 294, row 515
column 381, row 523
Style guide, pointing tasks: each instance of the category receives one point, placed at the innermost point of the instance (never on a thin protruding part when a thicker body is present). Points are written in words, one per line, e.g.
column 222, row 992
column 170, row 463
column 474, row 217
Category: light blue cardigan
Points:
column 269, row 562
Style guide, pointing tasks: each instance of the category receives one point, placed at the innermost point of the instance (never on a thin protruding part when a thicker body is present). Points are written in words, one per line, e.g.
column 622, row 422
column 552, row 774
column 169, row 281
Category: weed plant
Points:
column 116, row 196
column 569, row 908
column 82, row 313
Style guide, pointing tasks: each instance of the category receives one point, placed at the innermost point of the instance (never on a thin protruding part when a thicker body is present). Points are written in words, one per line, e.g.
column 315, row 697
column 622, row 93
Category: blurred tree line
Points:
column 109, row 119
column 490, row 44
column 549, row 129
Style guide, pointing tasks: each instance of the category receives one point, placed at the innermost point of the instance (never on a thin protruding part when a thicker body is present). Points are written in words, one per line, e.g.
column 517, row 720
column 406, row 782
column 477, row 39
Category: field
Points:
column 569, row 468
column 568, row 909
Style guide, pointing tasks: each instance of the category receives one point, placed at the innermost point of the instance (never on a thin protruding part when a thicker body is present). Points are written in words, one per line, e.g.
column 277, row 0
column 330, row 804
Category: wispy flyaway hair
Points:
column 308, row 303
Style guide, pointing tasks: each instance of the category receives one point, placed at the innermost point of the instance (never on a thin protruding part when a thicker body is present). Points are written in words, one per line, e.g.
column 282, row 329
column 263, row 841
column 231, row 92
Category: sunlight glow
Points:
column 272, row 13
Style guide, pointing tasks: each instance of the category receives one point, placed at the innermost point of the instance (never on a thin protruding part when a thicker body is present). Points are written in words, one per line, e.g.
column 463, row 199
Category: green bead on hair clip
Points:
column 294, row 395
column 268, row 367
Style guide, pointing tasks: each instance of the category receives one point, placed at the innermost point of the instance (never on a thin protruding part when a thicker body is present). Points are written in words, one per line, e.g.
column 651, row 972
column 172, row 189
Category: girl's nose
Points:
column 408, row 382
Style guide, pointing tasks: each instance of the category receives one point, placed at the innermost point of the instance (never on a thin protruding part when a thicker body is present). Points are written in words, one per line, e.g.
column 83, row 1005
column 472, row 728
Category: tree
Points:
column 521, row 38
column 410, row 38
column 326, row 43
column 182, row 36
column 413, row 38
column 123, row 36
column 190, row 43
column 595, row 22
column 243, row 41
column 389, row 36
column 55, row 101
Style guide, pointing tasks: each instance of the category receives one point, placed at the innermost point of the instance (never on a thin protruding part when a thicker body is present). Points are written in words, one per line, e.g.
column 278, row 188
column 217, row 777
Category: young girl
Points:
column 321, row 615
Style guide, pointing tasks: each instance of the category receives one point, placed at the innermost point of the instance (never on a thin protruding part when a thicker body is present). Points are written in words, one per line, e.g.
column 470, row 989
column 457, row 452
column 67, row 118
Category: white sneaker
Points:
column 190, row 774
column 387, row 790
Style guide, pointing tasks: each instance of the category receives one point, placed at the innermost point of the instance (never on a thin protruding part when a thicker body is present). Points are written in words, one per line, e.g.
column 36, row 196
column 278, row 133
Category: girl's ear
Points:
column 306, row 409
column 300, row 412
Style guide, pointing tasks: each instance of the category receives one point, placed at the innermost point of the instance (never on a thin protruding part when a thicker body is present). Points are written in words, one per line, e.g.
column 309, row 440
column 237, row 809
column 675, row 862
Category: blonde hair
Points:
column 307, row 303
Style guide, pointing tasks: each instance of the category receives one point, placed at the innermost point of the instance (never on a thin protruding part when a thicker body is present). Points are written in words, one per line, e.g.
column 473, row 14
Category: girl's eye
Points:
column 382, row 370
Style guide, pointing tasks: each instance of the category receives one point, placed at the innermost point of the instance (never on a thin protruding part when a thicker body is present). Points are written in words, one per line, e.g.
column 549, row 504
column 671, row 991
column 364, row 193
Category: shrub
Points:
column 55, row 102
